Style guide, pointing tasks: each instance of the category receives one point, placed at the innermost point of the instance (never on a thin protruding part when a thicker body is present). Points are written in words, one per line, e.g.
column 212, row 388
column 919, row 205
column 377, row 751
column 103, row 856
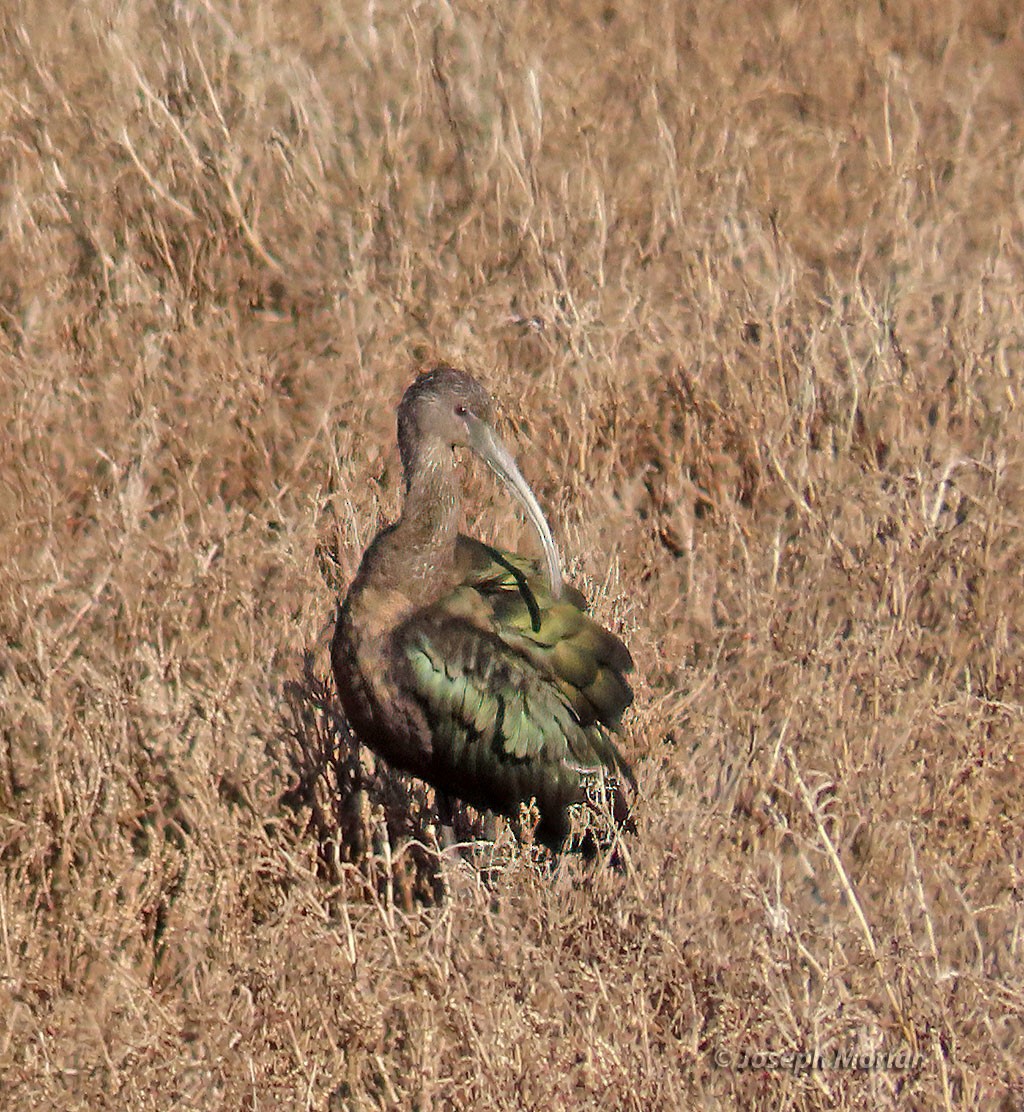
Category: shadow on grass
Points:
column 365, row 817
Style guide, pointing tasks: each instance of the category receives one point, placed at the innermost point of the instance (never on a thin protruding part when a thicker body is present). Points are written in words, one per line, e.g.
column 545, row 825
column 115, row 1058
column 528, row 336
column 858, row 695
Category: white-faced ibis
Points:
column 466, row 665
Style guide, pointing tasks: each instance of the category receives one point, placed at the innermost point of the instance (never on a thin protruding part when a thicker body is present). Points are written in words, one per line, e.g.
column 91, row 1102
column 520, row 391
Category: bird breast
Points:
column 368, row 676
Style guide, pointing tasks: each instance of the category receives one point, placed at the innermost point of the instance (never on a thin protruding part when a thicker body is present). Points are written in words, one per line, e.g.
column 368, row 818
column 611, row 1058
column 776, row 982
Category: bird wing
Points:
column 558, row 636
column 507, row 674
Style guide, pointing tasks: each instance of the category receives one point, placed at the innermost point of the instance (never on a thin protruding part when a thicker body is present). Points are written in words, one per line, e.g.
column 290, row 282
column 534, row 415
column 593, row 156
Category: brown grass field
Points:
column 748, row 281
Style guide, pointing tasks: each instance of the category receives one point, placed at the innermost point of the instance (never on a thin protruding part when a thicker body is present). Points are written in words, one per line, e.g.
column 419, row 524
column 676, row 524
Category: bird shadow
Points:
column 367, row 820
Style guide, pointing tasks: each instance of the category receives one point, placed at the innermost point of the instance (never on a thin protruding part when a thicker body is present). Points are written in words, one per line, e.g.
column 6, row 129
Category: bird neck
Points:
column 425, row 533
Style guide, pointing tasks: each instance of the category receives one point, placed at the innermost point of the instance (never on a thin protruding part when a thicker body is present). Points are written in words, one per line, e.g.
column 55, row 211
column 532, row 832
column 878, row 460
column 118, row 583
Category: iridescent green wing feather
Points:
column 531, row 678
column 469, row 684
column 586, row 661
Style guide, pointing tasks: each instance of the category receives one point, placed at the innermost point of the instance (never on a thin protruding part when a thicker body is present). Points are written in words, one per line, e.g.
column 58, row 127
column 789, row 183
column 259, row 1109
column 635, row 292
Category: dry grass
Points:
column 748, row 279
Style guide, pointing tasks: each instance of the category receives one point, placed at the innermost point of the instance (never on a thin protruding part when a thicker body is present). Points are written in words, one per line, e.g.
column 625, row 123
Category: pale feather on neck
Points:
column 429, row 523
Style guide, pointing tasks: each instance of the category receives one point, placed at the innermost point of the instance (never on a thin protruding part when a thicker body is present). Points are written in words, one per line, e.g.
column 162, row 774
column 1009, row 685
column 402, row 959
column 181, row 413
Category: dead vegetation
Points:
column 747, row 279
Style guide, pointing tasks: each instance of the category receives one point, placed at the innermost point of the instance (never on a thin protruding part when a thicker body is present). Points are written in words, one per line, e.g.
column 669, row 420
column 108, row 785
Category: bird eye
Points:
column 461, row 411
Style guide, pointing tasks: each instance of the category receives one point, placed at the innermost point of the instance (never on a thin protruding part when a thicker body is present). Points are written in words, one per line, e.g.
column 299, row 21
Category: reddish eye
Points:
column 461, row 411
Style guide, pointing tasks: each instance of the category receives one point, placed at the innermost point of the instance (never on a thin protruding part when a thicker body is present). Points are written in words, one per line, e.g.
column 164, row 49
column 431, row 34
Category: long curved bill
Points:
column 487, row 445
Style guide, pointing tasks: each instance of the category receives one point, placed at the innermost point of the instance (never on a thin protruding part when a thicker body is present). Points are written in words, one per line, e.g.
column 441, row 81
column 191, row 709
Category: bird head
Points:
column 447, row 408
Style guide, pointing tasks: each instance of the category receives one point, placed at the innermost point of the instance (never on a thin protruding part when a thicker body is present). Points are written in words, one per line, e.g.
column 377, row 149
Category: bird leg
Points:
column 445, row 805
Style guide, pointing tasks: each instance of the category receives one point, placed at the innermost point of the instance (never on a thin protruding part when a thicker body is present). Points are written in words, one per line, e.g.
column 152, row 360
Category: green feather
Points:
column 610, row 695
column 573, row 663
column 518, row 690
column 485, row 713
